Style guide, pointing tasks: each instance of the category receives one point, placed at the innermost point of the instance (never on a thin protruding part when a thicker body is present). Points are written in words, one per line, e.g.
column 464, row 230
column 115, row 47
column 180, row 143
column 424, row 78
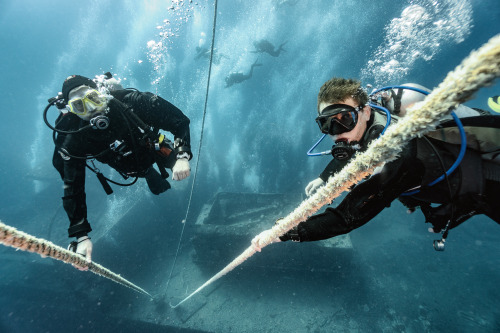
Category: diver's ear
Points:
column 367, row 112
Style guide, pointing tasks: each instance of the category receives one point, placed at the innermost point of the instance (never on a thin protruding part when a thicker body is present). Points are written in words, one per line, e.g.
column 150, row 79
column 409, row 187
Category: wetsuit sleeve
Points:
column 332, row 167
column 74, row 200
column 366, row 200
column 72, row 172
column 160, row 113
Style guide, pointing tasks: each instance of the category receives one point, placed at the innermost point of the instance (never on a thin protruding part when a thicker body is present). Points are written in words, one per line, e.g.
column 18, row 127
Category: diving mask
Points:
column 338, row 118
column 84, row 106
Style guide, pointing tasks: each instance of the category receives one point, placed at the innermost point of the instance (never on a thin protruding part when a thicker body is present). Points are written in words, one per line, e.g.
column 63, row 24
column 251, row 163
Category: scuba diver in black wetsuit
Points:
column 264, row 46
column 118, row 127
column 456, row 166
column 203, row 52
column 240, row 77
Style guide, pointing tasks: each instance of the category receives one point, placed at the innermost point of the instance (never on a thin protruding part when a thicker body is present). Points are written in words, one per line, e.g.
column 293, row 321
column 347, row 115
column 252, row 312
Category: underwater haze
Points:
column 250, row 169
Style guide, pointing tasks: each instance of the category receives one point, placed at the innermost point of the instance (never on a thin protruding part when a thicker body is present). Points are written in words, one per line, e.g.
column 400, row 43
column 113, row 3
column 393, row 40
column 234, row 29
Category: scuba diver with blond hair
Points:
column 451, row 173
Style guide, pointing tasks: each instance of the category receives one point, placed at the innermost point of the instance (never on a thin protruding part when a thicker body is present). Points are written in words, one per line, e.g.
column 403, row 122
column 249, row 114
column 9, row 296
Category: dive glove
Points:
column 82, row 246
column 313, row 186
column 181, row 169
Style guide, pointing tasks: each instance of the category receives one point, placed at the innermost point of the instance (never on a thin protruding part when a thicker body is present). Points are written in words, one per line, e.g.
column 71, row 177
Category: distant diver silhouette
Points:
column 203, row 52
column 240, row 77
column 264, row 46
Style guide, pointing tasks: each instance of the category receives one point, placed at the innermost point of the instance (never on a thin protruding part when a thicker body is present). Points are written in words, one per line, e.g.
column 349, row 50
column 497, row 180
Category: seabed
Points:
column 328, row 286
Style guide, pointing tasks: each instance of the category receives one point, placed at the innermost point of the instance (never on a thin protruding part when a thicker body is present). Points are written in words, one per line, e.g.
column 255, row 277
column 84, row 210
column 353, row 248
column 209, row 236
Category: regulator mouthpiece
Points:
column 99, row 122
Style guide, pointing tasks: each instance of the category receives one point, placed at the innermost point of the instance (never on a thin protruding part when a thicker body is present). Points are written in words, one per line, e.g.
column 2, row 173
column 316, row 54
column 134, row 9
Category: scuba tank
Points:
column 472, row 129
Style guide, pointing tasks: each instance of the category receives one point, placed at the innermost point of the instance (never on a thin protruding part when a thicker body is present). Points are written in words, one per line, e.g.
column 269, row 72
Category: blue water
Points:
column 255, row 137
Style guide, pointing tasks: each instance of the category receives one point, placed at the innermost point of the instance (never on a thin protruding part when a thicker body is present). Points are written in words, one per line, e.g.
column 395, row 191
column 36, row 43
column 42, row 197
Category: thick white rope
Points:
column 479, row 69
column 10, row 236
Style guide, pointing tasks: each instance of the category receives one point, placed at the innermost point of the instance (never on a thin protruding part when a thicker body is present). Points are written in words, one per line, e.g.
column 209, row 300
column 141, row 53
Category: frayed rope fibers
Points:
column 10, row 236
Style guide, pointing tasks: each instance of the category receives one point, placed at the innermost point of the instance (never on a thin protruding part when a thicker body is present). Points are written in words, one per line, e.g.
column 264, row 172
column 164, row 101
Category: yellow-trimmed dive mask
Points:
column 86, row 105
column 494, row 103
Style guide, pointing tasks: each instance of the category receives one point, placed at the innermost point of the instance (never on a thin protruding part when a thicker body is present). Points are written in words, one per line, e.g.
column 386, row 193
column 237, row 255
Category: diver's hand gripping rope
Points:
column 10, row 236
column 479, row 69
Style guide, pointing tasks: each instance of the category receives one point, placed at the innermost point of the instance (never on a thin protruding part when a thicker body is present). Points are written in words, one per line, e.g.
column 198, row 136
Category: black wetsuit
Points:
column 473, row 192
column 135, row 156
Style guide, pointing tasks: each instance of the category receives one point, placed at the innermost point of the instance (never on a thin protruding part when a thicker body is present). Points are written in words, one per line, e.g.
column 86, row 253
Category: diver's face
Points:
column 359, row 130
column 86, row 102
